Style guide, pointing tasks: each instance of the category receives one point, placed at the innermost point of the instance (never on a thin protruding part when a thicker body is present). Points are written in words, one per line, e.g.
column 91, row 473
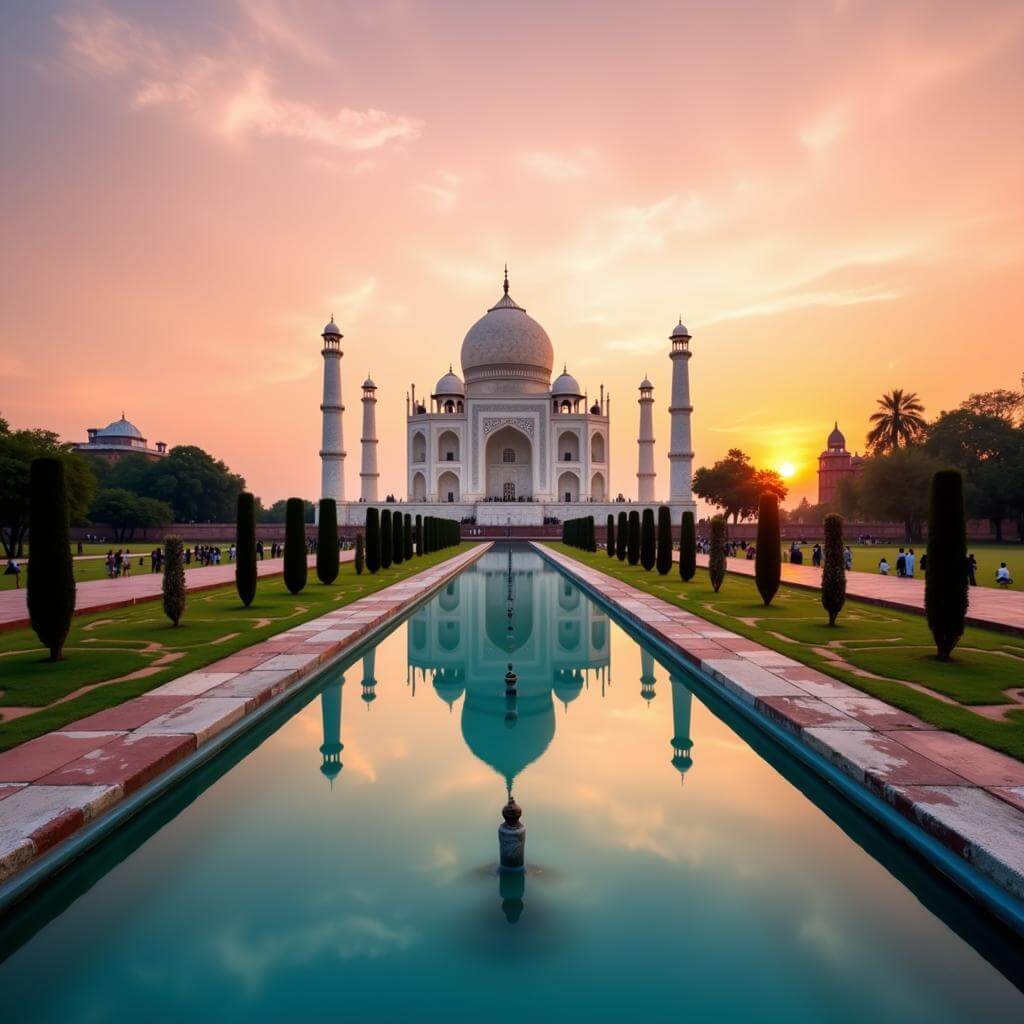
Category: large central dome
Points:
column 507, row 345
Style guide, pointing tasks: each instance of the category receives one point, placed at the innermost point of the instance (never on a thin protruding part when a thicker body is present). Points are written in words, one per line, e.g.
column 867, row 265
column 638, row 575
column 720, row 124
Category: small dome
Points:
column 121, row 428
column 679, row 331
column 645, row 384
column 368, row 384
column 836, row 439
column 450, row 384
column 566, row 384
column 331, row 330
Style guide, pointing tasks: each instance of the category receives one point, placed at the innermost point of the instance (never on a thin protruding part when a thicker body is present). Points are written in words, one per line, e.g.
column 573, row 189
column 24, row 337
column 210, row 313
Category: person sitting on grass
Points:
column 1003, row 577
column 883, row 566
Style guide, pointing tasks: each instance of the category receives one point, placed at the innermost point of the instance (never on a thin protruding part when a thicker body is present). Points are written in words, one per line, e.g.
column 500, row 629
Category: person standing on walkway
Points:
column 259, row 550
column 848, row 558
column 901, row 563
column 972, row 570
column 816, row 555
column 911, row 557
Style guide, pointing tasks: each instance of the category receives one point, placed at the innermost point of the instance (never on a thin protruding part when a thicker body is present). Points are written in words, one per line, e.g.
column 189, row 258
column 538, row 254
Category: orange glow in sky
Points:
column 829, row 193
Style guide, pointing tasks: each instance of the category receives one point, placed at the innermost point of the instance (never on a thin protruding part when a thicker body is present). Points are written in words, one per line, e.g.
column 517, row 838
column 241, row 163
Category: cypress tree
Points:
column 833, row 576
column 427, row 538
column 407, row 536
column 647, row 549
column 664, row 557
column 328, row 559
column 387, row 538
column 687, row 548
column 591, row 534
column 716, row 555
column 372, row 539
column 621, row 537
column 419, row 534
column 295, row 570
column 609, row 536
column 768, row 557
column 397, row 538
column 945, row 578
column 633, row 538
column 174, row 589
column 245, row 548
column 51, row 578
column 360, row 559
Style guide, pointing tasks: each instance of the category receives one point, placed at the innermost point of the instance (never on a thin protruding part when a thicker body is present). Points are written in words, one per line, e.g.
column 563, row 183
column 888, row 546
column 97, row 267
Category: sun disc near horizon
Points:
column 787, row 470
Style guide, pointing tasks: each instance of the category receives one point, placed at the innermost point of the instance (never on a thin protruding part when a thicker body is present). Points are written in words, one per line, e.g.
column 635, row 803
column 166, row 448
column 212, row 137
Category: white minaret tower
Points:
column 680, row 454
column 332, row 450
column 368, row 474
column 645, row 443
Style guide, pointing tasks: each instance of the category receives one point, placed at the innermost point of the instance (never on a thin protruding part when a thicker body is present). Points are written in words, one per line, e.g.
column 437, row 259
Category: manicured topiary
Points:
column 419, row 534
column 372, row 539
column 663, row 559
column 387, row 539
column 768, row 557
column 621, row 537
column 833, row 576
column 327, row 556
column 427, row 535
column 591, row 537
column 407, row 536
column 609, row 536
column 687, row 548
column 174, row 589
column 716, row 554
column 360, row 557
column 295, row 571
column 51, row 578
column 633, row 538
column 397, row 538
column 245, row 548
column 647, row 543
column 945, row 577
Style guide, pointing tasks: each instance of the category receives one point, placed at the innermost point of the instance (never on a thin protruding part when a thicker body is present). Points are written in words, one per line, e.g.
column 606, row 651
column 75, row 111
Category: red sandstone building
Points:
column 118, row 439
column 834, row 464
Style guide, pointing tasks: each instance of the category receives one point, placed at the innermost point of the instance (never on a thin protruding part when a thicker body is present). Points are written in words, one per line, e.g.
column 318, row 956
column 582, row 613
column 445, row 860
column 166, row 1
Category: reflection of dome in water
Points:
column 496, row 613
column 568, row 685
column 449, row 686
column 508, row 747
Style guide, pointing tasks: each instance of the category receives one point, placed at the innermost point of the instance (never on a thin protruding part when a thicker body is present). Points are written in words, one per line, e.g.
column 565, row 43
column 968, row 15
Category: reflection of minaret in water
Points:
column 369, row 694
column 647, row 679
column 682, row 700
column 331, row 748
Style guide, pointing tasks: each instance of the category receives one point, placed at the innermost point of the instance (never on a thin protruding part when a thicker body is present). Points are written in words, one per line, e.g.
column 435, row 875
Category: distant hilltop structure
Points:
column 118, row 439
column 835, row 463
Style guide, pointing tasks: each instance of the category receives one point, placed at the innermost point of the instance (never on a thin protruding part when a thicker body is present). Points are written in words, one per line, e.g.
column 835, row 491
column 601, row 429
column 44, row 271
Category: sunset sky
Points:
column 829, row 193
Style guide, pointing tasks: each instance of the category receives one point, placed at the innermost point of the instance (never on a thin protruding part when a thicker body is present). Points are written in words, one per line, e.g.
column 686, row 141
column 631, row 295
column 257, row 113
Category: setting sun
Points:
column 786, row 470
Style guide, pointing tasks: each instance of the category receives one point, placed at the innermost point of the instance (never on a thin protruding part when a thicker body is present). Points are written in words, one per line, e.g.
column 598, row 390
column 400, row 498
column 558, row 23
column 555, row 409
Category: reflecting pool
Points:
column 340, row 862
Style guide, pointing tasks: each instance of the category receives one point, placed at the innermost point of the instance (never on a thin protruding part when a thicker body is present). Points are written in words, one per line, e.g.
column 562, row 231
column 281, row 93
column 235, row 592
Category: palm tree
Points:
column 897, row 422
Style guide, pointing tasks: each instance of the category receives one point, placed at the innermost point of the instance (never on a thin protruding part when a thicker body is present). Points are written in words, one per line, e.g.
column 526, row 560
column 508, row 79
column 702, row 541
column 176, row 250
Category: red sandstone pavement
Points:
column 98, row 595
column 51, row 786
column 968, row 797
column 1000, row 609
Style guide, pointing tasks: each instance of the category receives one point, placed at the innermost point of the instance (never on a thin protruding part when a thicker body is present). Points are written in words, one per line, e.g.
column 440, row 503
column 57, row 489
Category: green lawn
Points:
column 895, row 646
column 109, row 645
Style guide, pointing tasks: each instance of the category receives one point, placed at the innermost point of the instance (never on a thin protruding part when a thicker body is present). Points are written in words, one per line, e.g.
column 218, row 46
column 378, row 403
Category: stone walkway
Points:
column 997, row 609
column 52, row 786
column 99, row 595
column 966, row 796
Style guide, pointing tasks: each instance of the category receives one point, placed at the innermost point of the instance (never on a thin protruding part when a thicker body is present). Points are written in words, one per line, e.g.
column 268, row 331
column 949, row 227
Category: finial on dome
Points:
column 505, row 285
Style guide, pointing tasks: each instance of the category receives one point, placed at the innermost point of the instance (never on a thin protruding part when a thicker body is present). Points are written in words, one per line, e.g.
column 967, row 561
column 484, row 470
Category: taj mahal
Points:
column 502, row 444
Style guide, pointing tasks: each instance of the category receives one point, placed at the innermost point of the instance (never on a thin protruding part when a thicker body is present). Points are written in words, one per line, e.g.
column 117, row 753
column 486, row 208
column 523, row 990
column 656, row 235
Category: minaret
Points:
column 680, row 454
column 647, row 677
column 369, row 694
column 330, row 708
column 645, row 443
column 368, row 475
column 332, row 450
column 682, row 700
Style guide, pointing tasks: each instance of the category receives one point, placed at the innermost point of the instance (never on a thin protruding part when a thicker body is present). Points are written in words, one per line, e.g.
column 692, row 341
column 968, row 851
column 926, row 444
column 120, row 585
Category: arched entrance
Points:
column 568, row 487
column 419, row 487
column 597, row 487
column 448, row 487
column 509, row 461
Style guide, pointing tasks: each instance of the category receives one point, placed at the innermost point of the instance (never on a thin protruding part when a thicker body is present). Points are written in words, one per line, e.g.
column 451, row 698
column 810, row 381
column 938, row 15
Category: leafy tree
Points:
column 833, row 576
column 18, row 449
column 198, row 487
column 716, row 553
column 945, row 578
column 277, row 513
column 360, row 558
column 328, row 559
column 1003, row 404
column 897, row 423
column 687, row 548
column 295, row 559
column 51, row 578
column 397, row 538
column 174, row 589
column 664, row 557
column 633, row 538
column 609, row 536
column 768, row 556
column 407, row 545
column 621, row 537
column 894, row 487
column 736, row 485
column 125, row 512
column 372, row 539
column 245, row 548
column 387, row 539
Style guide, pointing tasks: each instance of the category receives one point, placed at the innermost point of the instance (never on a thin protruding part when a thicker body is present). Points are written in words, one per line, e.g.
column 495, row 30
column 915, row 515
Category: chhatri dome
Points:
column 566, row 384
column 836, row 441
column 506, row 344
column 449, row 385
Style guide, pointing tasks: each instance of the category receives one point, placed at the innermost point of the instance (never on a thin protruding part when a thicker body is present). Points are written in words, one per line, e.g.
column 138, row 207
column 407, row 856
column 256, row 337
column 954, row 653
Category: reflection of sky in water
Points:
column 371, row 894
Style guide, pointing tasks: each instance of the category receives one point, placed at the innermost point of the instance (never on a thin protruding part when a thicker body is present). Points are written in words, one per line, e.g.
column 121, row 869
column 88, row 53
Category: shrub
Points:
column 387, row 539
column 360, row 559
column 295, row 570
column 647, row 549
column 174, row 589
column 419, row 534
column 687, row 548
column 716, row 554
column 51, row 577
column 768, row 557
column 328, row 559
column 663, row 560
column 633, row 538
column 397, row 538
column 621, row 537
column 407, row 536
column 245, row 548
column 945, row 577
column 833, row 576
column 609, row 536
column 372, row 539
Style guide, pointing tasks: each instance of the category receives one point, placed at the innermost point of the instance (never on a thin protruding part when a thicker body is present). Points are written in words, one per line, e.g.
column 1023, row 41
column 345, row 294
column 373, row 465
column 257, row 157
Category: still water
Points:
column 340, row 862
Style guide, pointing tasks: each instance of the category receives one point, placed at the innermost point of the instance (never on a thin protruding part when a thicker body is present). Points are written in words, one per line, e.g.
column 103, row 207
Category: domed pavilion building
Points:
column 118, row 439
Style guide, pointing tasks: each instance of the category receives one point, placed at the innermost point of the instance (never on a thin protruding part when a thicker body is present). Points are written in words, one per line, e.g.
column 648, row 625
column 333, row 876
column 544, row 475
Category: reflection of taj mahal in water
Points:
column 461, row 644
